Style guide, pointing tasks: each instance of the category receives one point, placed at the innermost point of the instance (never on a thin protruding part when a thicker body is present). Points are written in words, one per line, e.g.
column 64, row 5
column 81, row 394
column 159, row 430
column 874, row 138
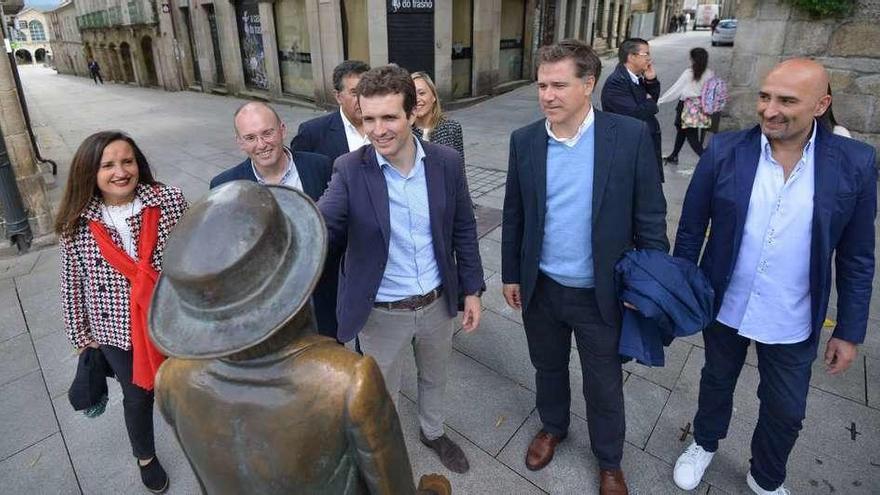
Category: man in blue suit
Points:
column 633, row 89
column 400, row 209
column 582, row 189
column 260, row 134
column 340, row 131
column 783, row 199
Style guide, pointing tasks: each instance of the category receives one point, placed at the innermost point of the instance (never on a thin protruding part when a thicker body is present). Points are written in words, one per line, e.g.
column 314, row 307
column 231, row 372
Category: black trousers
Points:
column 551, row 316
column 784, row 370
column 694, row 136
column 137, row 403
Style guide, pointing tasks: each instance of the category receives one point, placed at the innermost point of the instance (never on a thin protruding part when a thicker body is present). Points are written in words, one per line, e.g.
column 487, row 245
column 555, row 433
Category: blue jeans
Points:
column 784, row 371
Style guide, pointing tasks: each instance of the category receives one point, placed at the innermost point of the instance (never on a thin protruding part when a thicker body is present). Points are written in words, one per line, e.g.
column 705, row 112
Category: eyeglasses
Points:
column 266, row 136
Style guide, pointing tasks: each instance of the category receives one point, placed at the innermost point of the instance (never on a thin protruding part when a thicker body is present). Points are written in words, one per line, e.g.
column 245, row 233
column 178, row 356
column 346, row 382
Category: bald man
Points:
column 260, row 134
column 783, row 198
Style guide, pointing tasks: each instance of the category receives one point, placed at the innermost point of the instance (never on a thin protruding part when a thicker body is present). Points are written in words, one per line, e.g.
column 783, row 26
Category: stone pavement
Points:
column 46, row 447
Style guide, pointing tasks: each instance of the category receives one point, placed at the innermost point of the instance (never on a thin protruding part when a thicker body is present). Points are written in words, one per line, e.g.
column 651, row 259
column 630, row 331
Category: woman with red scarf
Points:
column 113, row 223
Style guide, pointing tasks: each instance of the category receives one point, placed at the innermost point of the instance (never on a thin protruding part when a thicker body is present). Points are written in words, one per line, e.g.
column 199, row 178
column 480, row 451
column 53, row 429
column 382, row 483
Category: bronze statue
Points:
column 259, row 402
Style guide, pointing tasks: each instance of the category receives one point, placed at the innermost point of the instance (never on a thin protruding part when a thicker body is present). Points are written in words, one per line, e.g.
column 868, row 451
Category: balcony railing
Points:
column 139, row 13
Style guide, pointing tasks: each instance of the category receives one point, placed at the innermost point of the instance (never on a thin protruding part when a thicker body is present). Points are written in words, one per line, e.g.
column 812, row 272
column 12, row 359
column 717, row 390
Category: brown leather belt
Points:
column 413, row 303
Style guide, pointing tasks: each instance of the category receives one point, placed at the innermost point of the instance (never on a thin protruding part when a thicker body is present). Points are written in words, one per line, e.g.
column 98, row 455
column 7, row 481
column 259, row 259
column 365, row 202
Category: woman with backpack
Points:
column 690, row 117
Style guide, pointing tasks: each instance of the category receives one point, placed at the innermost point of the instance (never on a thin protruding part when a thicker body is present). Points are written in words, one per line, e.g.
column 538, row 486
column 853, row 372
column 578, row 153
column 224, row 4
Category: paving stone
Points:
column 101, row 453
column 26, row 412
column 487, row 218
column 490, row 253
column 18, row 265
column 490, row 201
column 488, row 422
column 827, row 425
column 813, row 471
column 42, row 468
column 42, row 311
column 574, row 470
column 730, row 464
column 11, row 319
column 45, row 274
column 849, row 384
column 665, row 376
column 58, row 361
column 500, row 345
column 17, row 358
column 493, row 299
column 872, row 375
column 486, row 475
column 644, row 401
column 495, row 234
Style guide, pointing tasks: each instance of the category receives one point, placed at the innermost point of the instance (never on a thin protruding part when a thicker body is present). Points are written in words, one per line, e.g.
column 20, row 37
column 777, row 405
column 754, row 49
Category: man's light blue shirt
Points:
column 411, row 269
column 567, row 250
column 768, row 299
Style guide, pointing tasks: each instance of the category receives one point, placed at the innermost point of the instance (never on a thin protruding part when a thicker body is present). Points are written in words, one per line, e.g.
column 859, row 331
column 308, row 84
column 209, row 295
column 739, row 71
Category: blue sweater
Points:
column 567, row 251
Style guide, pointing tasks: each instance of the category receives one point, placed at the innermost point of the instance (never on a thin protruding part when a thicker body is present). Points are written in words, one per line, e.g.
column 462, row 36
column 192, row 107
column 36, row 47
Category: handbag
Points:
column 692, row 115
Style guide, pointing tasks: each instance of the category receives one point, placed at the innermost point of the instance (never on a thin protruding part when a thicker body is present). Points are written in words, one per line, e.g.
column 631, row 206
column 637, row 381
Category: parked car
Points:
column 724, row 33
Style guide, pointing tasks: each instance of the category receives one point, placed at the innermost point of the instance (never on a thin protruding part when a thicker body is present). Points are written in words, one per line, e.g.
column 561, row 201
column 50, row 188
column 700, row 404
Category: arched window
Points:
column 37, row 33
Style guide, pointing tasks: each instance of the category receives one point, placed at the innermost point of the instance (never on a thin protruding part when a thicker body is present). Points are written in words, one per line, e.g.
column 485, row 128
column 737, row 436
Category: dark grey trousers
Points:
column 551, row 316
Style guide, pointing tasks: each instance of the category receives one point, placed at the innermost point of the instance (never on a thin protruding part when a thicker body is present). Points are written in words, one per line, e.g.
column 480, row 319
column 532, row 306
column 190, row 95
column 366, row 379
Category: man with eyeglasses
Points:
column 338, row 132
column 633, row 89
column 260, row 134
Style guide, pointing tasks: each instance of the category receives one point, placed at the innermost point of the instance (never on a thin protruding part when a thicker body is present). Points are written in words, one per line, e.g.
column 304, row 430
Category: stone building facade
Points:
column 68, row 56
column 287, row 48
column 770, row 31
column 132, row 41
column 30, row 37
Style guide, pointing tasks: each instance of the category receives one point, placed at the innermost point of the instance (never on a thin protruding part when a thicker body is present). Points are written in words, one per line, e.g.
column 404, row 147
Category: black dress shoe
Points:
column 154, row 476
column 449, row 452
column 671, row 159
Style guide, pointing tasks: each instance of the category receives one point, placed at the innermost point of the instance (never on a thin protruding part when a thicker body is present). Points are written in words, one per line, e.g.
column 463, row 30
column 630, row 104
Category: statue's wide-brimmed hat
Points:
column 240, row 263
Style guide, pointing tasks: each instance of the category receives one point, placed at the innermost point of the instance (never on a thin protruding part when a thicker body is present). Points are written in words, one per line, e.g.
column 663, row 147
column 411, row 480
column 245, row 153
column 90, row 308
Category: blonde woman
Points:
column 431, row 125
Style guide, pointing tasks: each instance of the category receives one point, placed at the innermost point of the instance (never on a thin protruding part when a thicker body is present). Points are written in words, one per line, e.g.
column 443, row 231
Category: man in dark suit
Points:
column 783, row 199
column 633, row 89
column 401, row 210
column 260, row 134
column 340, row 131
column 582, row 188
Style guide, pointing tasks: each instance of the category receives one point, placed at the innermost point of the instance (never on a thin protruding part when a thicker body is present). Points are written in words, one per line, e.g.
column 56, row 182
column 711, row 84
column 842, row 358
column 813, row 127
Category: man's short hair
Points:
column 586, row 62
column 348, row 68
column 387, row 80
column 253, row 104
column 630, row 46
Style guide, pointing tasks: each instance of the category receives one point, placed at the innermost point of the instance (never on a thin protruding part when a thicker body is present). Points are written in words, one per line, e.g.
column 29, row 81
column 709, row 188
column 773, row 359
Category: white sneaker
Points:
column 760, row 491
column 690, row 466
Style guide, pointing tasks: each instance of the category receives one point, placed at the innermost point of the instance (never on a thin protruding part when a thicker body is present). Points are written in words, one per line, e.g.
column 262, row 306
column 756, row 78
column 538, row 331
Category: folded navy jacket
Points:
column 673, row 297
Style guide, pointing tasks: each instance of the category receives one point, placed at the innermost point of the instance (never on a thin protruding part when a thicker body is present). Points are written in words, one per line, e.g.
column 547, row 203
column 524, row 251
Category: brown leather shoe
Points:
column 611, row 482
column 541, row 450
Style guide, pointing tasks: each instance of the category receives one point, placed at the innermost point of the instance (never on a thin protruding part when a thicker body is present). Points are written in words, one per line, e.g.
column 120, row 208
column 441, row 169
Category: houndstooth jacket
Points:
column 94, row 296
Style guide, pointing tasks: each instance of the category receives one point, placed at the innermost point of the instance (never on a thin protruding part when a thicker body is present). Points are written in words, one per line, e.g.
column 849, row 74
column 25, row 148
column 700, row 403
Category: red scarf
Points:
column 145, row 358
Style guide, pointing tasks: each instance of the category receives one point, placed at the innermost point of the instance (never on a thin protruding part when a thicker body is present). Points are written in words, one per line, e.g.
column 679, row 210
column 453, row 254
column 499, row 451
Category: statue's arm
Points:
column 374, row 433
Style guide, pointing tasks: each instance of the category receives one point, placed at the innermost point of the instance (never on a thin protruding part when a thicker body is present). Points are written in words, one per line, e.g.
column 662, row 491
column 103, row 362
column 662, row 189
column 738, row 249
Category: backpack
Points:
column 713, row 97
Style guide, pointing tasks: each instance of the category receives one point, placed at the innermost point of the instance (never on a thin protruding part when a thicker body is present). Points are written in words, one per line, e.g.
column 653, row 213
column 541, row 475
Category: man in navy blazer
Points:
column 633, row 89
column 260, row 133
column 400, row 209
column 783, row 200
column 340, row 131
column 582, row 189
